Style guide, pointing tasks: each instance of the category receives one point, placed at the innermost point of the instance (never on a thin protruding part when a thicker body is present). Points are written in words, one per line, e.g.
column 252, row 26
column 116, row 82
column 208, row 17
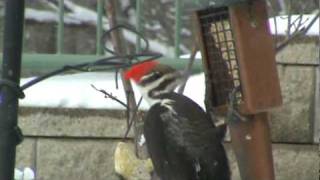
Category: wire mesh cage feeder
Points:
column 240, row 68
column 238, row 52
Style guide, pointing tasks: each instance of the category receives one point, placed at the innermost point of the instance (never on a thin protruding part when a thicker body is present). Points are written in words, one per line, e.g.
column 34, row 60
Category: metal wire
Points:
column 221, row 54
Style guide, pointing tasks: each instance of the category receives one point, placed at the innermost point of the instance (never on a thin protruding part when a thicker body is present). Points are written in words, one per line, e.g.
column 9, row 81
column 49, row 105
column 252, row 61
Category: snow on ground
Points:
column 75, row 91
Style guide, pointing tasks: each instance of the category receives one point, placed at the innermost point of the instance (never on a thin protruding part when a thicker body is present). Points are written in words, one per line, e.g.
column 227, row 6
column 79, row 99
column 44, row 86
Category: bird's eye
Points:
column 156, row 74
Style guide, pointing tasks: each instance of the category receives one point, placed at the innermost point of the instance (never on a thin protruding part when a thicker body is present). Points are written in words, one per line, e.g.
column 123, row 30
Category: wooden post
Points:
column 252, row 145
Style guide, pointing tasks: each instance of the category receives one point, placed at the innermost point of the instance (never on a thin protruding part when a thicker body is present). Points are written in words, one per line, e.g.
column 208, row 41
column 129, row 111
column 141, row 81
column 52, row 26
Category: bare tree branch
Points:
column 188, row 69
column 298, row 33
column 119, row 45
column 132, row 119
column 109, row 95
column 289, row 18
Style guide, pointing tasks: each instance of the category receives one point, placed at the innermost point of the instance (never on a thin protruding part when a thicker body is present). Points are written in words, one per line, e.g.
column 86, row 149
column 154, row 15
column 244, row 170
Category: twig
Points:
column 298, row 33
column 289, row 18
column 135, row 110
column 132, row 119
column 274, row 22
column 188, row 69
column 297, row 24
column 109, row 95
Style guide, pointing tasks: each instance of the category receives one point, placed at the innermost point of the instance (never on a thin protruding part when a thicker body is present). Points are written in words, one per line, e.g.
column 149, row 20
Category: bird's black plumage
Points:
column 182, row 141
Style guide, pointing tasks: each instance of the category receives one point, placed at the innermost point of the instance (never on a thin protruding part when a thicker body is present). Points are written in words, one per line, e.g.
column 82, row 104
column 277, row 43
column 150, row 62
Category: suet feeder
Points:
column 241, row 76
column 238, row 52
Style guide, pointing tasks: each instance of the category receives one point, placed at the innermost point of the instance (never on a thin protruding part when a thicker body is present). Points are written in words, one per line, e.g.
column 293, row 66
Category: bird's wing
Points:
column 188, row 124
column 168, row 159
column 183, row 143
column 192, row 132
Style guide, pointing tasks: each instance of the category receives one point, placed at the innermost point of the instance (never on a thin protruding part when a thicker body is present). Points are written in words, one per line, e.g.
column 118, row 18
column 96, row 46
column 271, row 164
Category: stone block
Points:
column 300, row 51
column 26, row 153
column 294, row 162
column 76, row 159
column 73, row 123
column 293, row 121
column 80, row 39
column 39, row 38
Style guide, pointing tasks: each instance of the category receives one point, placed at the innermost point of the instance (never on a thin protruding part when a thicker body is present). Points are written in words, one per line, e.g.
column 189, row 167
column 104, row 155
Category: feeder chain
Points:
column 232, row 108
column 13, row 86
column 18, row 134
column 14, row 132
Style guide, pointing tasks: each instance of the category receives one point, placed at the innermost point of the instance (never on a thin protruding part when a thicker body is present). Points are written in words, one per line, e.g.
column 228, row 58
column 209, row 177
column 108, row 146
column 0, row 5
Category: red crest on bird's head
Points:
column 139, row 70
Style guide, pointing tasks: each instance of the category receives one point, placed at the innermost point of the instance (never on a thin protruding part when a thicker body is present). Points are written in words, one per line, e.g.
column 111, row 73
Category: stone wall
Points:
column 70, row 143
column 77, row 144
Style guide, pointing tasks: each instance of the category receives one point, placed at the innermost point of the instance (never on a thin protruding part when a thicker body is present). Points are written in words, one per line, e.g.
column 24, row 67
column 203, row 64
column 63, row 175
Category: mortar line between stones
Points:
column 35, row 158
column 316, row 132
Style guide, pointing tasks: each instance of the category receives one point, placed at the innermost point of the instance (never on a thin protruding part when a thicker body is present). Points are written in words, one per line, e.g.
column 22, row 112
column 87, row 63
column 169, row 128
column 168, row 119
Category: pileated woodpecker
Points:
column 182, row 141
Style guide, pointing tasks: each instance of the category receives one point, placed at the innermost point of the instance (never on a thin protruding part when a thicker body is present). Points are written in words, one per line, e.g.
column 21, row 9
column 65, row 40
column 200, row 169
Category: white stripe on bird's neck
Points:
column 153, row 85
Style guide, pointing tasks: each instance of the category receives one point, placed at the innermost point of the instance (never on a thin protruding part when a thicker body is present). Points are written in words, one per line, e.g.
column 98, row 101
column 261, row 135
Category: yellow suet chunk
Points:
column 128, row 165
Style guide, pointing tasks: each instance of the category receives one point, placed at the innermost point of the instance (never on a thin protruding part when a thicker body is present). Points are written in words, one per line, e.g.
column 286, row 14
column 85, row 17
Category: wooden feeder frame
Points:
column 238, row 54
